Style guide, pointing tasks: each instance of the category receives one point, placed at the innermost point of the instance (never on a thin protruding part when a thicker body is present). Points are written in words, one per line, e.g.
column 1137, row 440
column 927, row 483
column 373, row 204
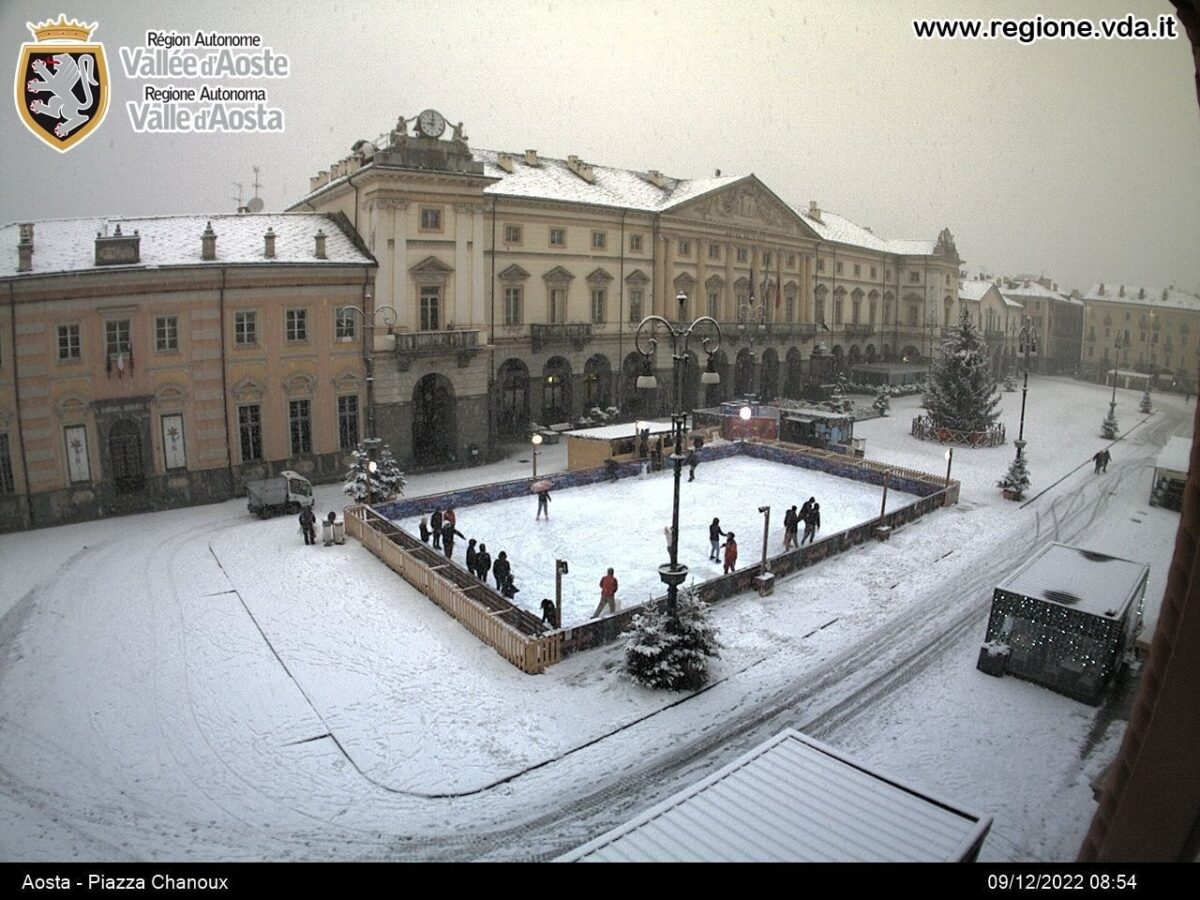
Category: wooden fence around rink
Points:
column 516, row 634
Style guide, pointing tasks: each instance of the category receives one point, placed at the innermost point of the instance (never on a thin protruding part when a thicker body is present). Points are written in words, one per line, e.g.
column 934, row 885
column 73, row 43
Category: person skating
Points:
column 811, row 524
column 424, row 529
column 327, row 528
column 501, row 570
column 483, row 563
column 435, row 525
column 1098, row 459
column 308, row 524
column 608, row 594
column 730, row 553
column 543, row 504
column 448, row 533
column 692, row 462
column 1107, row 458
column 549, row 612
column 471, row 554
column 714, row 536
column 802, row 516
column 791, row 523
column 510, row 589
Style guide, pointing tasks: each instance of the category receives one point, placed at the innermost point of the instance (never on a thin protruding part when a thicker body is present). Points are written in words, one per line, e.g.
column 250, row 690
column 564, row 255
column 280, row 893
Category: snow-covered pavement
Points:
column 198, row 684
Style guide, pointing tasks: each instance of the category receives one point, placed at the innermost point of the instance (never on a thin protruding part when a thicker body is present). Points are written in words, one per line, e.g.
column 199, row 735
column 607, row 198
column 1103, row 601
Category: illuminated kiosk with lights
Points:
column 1065, row 620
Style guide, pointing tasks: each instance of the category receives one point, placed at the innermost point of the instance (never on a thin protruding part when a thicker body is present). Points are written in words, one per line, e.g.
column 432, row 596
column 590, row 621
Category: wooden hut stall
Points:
column 818, row 428
column 794, row 799
column 1065, row 620
column 1170, row 474
column 590, row 447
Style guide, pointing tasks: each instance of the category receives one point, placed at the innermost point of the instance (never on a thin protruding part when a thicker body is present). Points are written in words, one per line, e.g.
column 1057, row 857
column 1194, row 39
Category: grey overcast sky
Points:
column 1079, row 159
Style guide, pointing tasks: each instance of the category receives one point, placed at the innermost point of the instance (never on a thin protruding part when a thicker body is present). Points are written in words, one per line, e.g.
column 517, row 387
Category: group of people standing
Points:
column 810, row 515
column 730, row 547
column 441, row 527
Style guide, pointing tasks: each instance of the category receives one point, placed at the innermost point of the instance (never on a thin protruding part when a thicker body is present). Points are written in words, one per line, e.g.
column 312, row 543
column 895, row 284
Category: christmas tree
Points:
column 1016, row 479
column 1147, row 406
column 962, row 392
column 1010, row 383
column 386, row 482
column 672, row 652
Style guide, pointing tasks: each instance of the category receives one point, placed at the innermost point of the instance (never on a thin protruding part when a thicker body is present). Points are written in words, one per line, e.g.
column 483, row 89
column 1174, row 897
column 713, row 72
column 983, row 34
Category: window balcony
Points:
column 859, row 330
column 460, row 342
column 574, row 333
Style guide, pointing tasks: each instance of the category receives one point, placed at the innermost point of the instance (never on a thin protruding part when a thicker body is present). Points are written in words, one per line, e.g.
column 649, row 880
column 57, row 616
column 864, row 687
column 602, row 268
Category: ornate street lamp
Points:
column 1027, row 339
column 674, row 573
column 1109, row 426
column 369, row 348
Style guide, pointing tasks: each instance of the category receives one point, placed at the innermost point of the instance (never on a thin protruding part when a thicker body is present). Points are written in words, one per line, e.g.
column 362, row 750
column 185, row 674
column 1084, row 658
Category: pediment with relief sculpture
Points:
column 747, row 204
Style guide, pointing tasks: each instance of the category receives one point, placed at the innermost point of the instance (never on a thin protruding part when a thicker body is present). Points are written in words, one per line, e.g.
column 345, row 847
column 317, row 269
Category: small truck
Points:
column 287, row 492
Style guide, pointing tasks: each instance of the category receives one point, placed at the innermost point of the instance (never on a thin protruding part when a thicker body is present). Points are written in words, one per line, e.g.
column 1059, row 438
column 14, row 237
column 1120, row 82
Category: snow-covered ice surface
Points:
column 197, row 684
column 623, row 525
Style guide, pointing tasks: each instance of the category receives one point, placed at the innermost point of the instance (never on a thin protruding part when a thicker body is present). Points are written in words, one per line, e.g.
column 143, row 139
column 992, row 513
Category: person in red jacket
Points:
column 730, row 553
column 608, row 594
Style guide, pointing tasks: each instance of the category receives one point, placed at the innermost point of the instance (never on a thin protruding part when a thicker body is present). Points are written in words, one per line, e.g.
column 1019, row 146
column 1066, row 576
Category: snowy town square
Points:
column 747, row 431
column 201, row 684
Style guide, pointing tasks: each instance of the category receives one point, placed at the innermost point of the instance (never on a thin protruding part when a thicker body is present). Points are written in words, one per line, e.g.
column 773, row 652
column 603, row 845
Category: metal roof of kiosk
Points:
column 1093, row 583
column 794, row 799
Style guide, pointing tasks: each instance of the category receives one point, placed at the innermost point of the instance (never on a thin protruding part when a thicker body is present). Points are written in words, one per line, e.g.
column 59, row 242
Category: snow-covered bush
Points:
column 1010, row 383
column 1016, row 480
column 883, row 401
column 387, row 482
column 672, row 652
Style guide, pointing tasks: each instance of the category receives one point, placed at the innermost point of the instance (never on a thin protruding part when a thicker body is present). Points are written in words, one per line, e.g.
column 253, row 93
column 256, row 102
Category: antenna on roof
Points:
column 238, row 198
column 257, row 184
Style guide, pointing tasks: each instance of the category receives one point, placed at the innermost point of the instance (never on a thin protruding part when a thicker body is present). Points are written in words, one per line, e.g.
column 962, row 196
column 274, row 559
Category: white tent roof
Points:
column 1176, row 455
column 793, row 799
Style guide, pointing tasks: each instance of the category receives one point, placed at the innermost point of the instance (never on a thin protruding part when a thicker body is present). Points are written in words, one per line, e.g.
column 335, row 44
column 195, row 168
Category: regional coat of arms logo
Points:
column 62, row 83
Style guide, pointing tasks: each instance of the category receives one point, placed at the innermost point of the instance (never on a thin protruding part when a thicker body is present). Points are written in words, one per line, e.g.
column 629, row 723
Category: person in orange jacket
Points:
column 608, row 594
column 730, row 553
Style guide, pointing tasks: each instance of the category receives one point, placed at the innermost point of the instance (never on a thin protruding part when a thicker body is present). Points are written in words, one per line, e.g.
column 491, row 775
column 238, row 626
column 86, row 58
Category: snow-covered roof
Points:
column 69, row 245
column 1029, row 290
column 615, row 432
column 1176, row 456
column 974, row 290
column 1171, row 297
column 911, row 248
column 553, row 179
column 1075, row 578
column 793, row 799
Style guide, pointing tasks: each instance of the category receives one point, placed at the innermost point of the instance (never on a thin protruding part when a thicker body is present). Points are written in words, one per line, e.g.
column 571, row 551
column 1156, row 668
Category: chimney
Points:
column 1141, row 293
column 1164, row 295
column 320, row 244
column 717, row 174
column 581, row 169
column 814, row 211
column 208, row 243
column 269, row 244
column 118, row 249
column 505, row 162
column 1121, row 292
column 531, row 158
column 25, row 248
column 655, row 177
column 1101, row 291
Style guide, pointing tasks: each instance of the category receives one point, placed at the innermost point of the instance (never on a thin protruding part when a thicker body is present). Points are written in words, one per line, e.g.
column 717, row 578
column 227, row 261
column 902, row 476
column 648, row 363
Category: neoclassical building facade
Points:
column 516, row 283
column 158, row 362
column 1151, row 330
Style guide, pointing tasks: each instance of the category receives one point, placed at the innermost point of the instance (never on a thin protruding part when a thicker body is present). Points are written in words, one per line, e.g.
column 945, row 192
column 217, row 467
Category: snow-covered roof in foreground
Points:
column 69, row 245
column 1144, row 296
column 1176, row 456
column 793, row 799
column 1093, row 583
